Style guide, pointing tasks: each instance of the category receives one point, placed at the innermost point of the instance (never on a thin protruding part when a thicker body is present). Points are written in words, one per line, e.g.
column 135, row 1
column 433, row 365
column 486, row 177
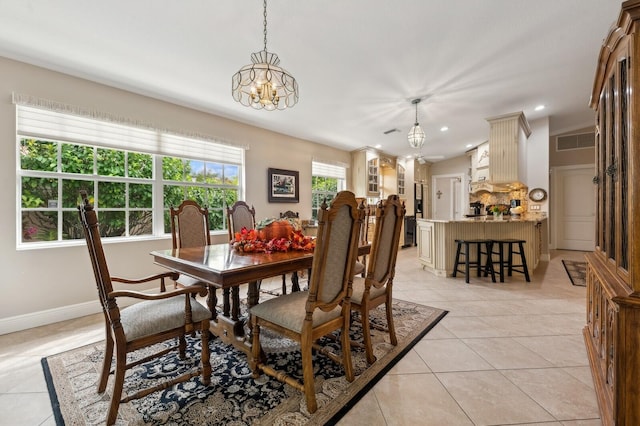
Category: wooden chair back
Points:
column 289, row 214
column 335, row 252
column 239, row 216
column 386, row 239
column 190, row 225
column 89, row 220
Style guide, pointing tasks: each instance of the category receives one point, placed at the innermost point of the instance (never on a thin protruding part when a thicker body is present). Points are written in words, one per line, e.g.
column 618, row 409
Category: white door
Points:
column 574, row 209
column 449, row 199
column 442, row 198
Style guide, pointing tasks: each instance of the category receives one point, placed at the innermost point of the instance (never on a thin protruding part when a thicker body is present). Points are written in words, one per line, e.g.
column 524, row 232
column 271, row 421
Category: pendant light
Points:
column 263, row 84
column 416, row 135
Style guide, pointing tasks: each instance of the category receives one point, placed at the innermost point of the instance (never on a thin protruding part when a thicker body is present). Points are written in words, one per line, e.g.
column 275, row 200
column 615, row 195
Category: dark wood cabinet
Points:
column 612, row 333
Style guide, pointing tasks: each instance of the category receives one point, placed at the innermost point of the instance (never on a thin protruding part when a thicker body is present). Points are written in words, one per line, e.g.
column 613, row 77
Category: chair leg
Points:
column 306, row 345
column 182, row 347
column 457, row 261
column 295, row 282
column 106, row 362
column 466, row 263
column 392, row 328
column 121, row 366
column 284, row 283
column 524, row 263
column 206, row 363
column 346, row 348
column 255, row 348
column 366, row 332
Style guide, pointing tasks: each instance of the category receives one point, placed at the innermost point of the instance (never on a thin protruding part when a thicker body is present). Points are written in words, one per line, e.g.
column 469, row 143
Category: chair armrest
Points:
column 154, row 296
column 173, row 275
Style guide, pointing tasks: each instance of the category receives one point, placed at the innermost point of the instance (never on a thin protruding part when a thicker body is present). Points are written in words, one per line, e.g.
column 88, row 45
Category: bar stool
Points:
column 477, row 263
column 505, row 253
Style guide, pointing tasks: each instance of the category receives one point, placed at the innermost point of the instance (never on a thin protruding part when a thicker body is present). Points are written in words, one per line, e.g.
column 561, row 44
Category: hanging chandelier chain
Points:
column 265, row 25
column 416, row 113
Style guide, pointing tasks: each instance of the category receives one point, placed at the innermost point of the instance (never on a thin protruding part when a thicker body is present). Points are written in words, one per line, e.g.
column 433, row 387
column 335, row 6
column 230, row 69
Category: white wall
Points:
column 538, row 158
column 45, row 285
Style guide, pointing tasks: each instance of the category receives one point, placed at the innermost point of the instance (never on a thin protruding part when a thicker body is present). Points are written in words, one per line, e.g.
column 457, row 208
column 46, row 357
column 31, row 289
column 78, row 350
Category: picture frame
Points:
column 283, row 186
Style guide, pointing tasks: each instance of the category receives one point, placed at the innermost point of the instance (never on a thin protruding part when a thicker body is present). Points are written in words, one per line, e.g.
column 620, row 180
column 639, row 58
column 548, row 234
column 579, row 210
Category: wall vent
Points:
column 577, row 141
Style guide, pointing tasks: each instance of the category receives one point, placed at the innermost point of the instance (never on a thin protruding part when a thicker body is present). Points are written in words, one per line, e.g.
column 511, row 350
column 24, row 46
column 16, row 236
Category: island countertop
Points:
column 490, row 219
column 437, row 246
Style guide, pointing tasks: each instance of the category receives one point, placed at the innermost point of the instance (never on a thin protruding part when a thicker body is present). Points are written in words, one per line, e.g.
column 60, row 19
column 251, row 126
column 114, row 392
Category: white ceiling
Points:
column 358, row 63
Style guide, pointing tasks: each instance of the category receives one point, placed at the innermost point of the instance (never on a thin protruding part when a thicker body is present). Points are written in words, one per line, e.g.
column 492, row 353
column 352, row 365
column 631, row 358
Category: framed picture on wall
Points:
column 284, row 186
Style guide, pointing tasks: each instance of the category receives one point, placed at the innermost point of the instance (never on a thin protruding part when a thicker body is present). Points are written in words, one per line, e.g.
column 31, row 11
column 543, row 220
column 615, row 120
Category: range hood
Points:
column 480, row 187
column 507, row 168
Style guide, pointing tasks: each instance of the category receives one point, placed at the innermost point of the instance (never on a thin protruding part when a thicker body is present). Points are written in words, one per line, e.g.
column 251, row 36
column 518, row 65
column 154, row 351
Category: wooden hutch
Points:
column 612, row 333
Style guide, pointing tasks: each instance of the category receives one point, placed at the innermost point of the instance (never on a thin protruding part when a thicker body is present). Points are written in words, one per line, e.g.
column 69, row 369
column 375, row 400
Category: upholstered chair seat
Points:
column 156, row 316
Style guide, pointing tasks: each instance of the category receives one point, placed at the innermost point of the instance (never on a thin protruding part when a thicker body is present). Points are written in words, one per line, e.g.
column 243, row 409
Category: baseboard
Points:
column 49, row 316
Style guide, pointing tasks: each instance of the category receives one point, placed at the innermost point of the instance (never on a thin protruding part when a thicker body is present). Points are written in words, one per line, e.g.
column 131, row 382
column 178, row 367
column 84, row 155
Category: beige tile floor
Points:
column 507, row 353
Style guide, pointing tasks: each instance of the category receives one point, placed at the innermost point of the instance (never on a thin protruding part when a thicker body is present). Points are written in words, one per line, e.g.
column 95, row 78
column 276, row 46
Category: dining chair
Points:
column 375, row 288
column 190, row 228
column 157, row 318
column 239, row 216
column 306, row 316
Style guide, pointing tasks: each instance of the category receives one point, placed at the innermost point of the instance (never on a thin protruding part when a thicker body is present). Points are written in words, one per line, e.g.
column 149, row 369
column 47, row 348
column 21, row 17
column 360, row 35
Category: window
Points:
column 133, row 176
column 326, row 181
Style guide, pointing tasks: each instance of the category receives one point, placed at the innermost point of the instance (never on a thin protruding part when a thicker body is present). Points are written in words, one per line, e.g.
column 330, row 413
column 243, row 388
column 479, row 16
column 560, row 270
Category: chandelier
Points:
column 263, row 84
column 416, row 135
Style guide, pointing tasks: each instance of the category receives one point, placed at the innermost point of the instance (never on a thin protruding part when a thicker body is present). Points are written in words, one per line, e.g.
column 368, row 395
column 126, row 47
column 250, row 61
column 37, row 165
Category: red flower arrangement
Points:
column 249, row 241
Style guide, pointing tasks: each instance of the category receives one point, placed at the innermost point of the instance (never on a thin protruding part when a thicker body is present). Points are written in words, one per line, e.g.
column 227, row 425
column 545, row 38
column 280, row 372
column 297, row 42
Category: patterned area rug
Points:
column 577, row 272
column 234, row 397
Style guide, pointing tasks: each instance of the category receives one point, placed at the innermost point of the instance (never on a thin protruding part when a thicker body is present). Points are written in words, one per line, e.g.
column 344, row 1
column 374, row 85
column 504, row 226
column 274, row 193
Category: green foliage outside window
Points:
column 323, row 189
column 121, row 184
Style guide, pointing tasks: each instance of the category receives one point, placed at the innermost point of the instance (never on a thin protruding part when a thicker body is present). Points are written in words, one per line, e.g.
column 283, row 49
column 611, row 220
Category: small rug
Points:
column 577, row 272
column 233, row 397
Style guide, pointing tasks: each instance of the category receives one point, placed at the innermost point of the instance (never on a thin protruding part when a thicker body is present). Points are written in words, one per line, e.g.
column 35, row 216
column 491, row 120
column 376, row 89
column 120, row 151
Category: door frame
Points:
column 555, row 202
column 463, row 196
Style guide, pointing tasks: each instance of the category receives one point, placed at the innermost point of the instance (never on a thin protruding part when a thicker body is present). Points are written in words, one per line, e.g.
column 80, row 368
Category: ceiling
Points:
column 358, row 63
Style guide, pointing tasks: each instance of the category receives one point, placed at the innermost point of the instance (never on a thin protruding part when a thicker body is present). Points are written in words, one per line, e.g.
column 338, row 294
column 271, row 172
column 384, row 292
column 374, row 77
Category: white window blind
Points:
column 328, row 170
column 46, row 124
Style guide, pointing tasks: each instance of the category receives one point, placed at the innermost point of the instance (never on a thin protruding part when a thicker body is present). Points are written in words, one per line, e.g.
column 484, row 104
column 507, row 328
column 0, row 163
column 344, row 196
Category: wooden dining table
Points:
column 222, row 267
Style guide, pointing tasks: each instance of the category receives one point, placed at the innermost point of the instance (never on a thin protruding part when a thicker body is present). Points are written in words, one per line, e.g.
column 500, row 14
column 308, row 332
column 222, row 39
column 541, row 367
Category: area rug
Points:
column 577, row 272
column 233, row 397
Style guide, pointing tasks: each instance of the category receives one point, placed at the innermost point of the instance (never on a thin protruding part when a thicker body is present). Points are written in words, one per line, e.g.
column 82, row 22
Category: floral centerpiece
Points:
column 251, row 241
column 499, row 209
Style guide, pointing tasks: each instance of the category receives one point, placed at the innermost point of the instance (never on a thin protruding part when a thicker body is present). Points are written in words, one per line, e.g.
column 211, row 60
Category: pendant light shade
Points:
column 263, row 84
column 416, row 135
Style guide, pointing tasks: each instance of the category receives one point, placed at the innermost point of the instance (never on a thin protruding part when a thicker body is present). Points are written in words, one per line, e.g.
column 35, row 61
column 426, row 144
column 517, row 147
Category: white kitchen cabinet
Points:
column 365, row 173
column 507, row 148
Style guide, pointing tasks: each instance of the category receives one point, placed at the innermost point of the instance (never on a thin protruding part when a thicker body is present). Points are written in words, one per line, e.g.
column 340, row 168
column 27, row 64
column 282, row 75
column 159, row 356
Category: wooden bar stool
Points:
column 505, row 253
column 482, row 247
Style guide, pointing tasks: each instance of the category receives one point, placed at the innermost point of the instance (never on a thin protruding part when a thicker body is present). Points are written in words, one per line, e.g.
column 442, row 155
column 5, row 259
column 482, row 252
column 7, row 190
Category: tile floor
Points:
column 506, row 354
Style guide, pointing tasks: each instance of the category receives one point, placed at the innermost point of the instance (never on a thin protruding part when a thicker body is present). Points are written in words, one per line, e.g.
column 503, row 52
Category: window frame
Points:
column 174, row 142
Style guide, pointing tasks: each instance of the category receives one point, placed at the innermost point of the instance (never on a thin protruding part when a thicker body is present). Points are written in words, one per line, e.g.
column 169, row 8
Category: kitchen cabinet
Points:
column 507, row 150
column 612, row 332
column 366, row 173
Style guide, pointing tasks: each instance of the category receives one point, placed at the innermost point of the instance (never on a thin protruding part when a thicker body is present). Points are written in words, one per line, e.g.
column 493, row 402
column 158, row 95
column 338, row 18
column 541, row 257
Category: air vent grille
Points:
column 578, row 141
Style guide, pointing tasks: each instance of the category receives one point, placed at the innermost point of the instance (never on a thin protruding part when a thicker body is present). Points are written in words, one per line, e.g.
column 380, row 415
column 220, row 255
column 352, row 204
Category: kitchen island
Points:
column 437, row 246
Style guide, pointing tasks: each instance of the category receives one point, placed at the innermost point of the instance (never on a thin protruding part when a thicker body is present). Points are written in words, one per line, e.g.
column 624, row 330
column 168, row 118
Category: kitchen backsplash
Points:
column 490, row 198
